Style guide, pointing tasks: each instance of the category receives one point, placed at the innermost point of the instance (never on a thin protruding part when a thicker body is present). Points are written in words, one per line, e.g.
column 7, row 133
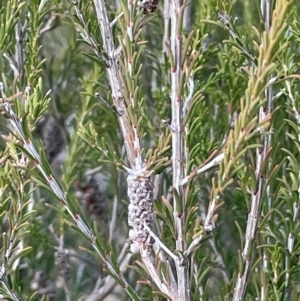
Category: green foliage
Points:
column 238, row 87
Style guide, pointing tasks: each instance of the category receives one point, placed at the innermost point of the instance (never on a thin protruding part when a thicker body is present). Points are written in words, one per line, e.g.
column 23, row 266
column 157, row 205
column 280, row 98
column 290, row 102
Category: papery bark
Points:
column 176, row 12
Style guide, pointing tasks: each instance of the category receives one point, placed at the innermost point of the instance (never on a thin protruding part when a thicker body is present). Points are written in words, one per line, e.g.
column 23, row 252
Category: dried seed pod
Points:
column 145, row 204
column 92, row 198
column 62, row 262
column 140, row 211
column 148, row 6
column 53, row 138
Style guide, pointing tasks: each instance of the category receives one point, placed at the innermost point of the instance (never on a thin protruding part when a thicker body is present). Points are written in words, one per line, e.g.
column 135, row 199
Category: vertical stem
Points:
column 266, row 9
column 296, row 202
column 176, row 11
column 177, row 122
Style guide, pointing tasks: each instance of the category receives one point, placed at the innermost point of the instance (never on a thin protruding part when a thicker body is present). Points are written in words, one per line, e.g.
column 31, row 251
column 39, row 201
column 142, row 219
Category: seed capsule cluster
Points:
column 148, row 6
column 140, row 212
column 90, row 196
column 53, row 139
column 62, row 261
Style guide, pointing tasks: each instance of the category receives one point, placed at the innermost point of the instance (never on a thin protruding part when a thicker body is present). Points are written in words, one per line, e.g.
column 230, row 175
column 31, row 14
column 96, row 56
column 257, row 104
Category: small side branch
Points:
column 214, row 162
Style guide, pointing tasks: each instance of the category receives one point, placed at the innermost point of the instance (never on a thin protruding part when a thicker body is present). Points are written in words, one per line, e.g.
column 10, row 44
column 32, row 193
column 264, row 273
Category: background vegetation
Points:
column 209, row 114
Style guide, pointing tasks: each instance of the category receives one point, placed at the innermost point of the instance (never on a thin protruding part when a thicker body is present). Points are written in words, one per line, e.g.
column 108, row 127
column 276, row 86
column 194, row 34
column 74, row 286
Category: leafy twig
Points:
column 30, row 149
column 5, row 284
column 88, row 37
column 262, row 153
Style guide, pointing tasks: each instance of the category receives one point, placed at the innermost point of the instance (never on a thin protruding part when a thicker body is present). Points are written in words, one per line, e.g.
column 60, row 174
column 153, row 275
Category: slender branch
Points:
column 13, row 64
column 162, row 285
column 176, row 14
column 113, row 221
column 216, row 254
column 19, row 56
column 214, row 162
column 159, row 242
column 177, row 122
column 195, row 243
column 226, row 20
column 209, row 224
column 291, row 236
column 109, row 283
column 140, row 189
column 87, row 36
column 115, row 81
column 123, row 252
column 266, row 9
column 115, row 20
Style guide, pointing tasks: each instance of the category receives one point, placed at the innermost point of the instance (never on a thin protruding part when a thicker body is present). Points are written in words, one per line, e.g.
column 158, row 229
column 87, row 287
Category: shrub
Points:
column 149, row 150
